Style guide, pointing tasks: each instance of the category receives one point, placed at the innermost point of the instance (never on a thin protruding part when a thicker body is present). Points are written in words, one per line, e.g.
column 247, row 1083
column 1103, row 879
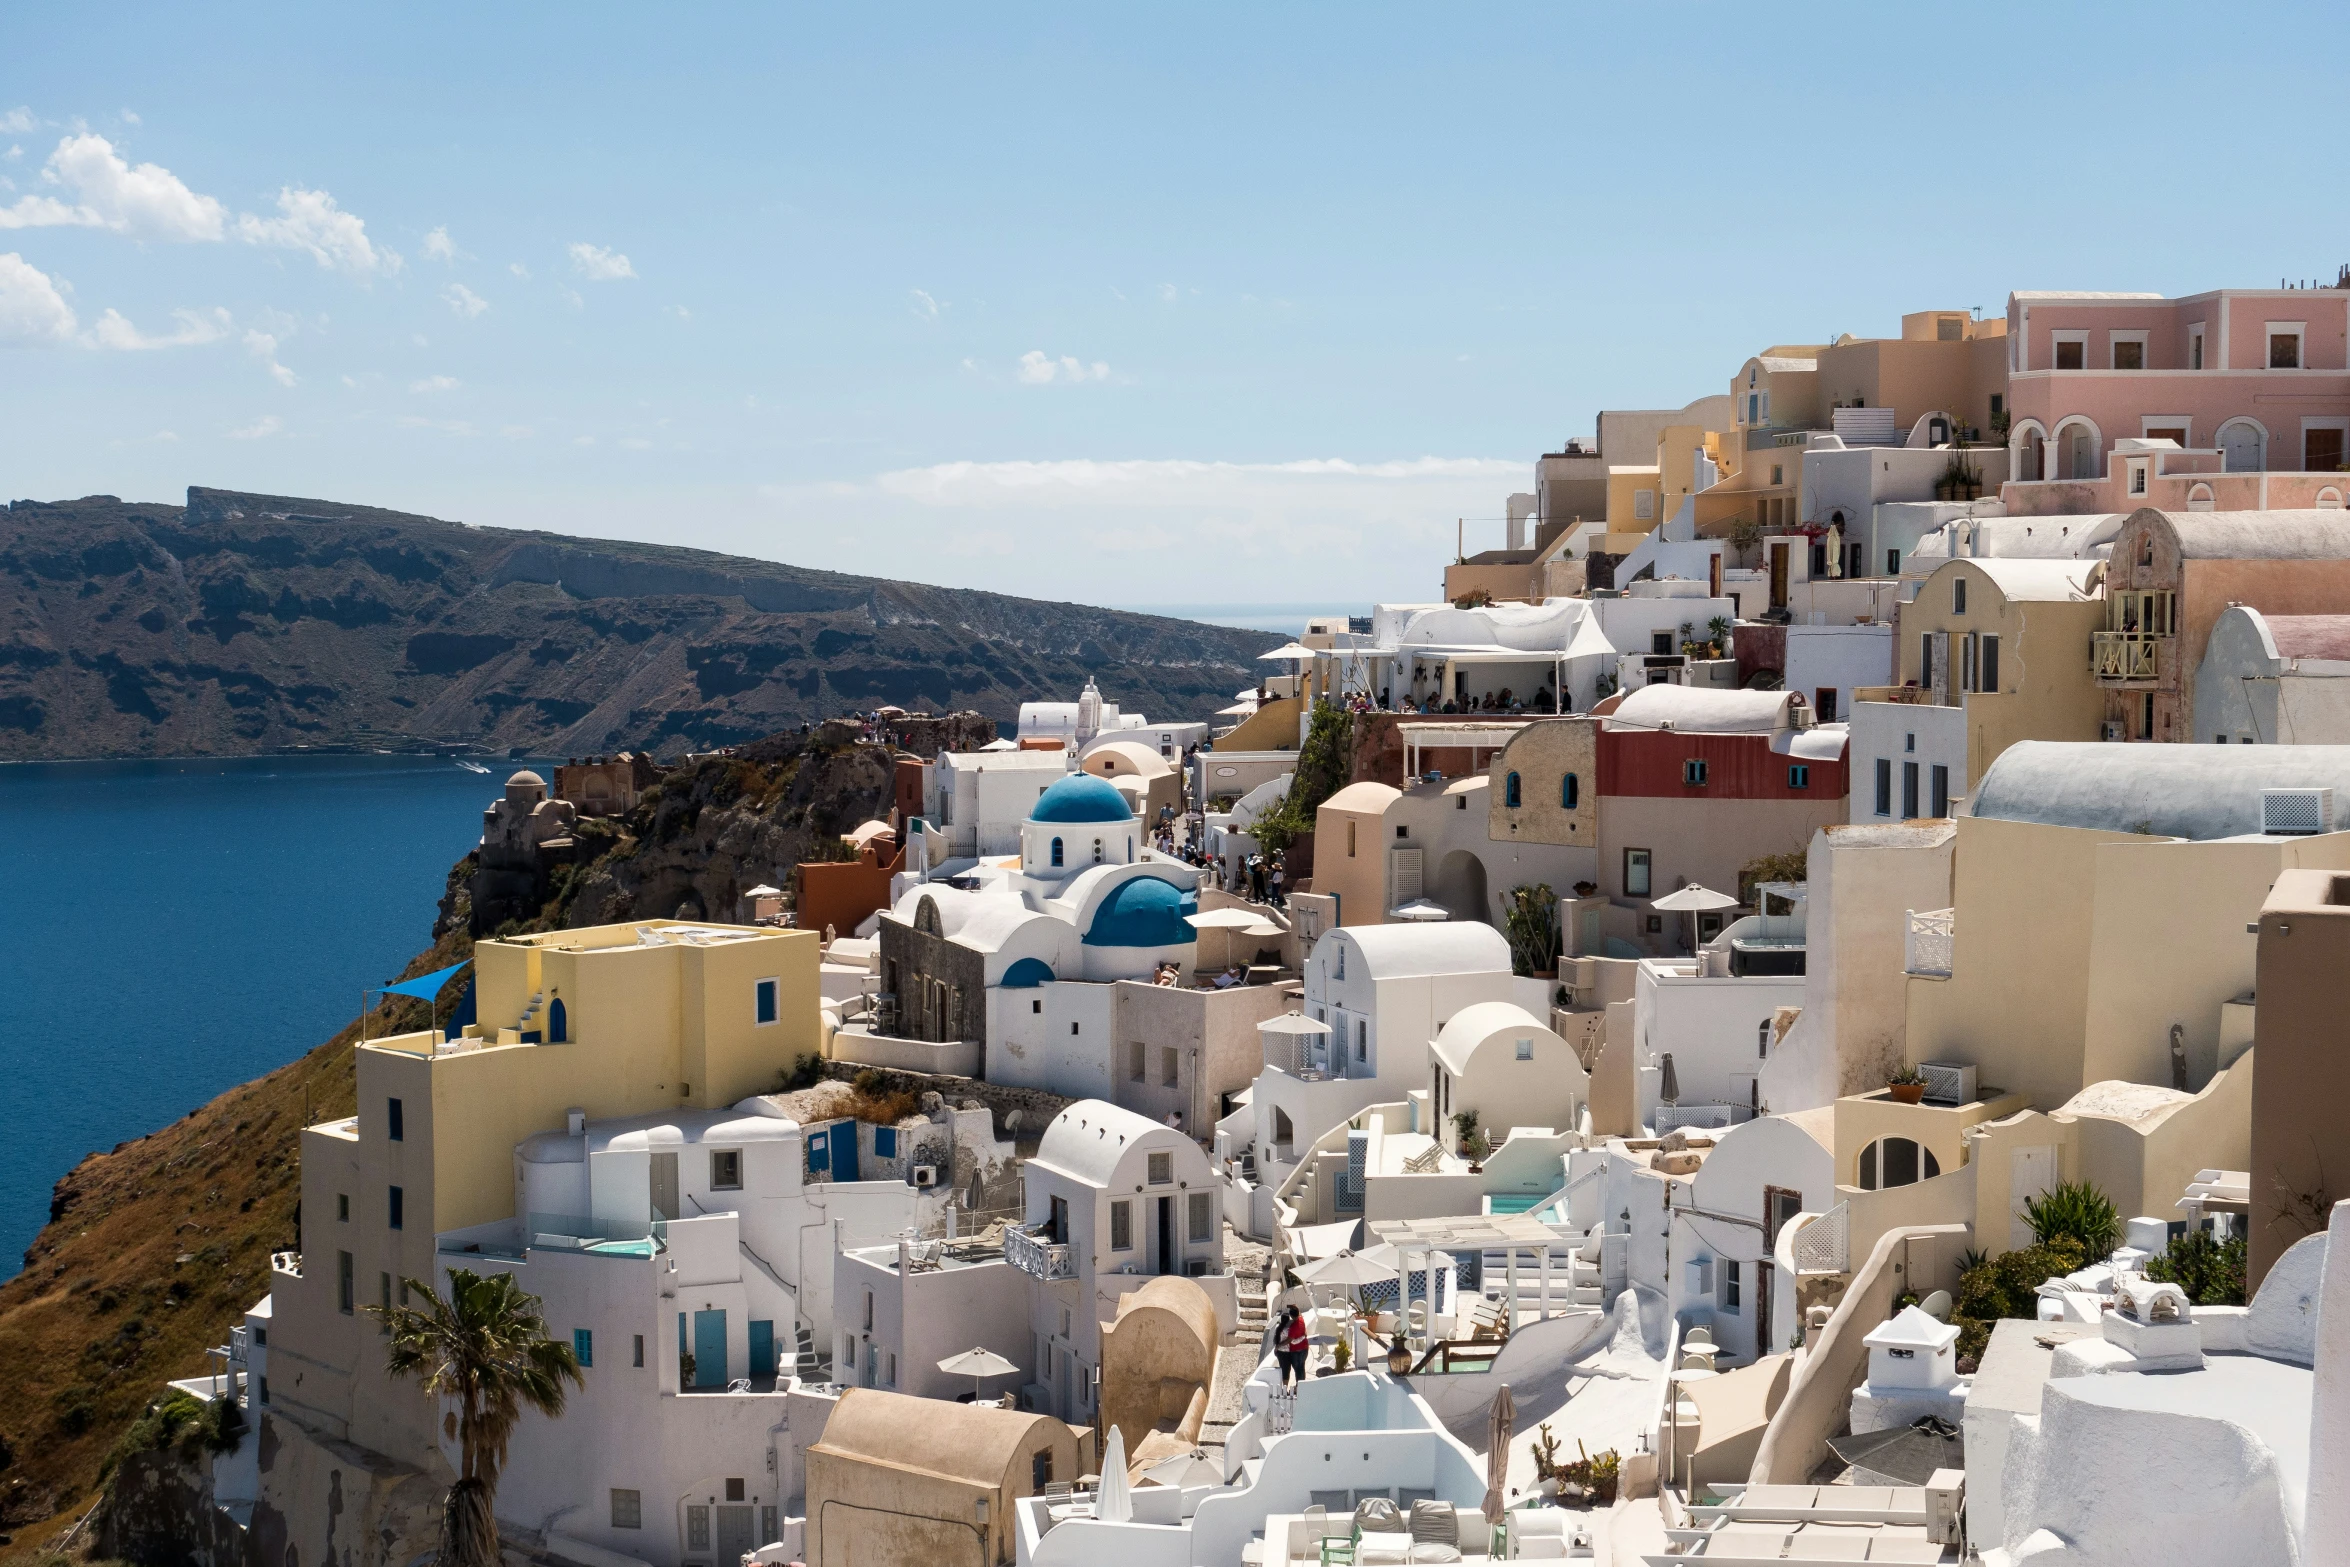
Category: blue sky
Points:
column 1125, row 305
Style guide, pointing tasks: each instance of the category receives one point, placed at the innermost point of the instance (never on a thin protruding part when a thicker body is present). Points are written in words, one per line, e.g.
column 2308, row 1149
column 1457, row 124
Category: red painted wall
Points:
column 1738, row 767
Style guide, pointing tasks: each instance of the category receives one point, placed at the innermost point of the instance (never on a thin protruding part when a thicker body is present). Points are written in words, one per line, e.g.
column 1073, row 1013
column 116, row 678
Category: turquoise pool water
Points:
column 1514, row 1202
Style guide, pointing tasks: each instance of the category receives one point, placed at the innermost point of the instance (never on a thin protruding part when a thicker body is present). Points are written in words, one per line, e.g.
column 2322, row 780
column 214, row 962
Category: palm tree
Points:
column 485, row 1349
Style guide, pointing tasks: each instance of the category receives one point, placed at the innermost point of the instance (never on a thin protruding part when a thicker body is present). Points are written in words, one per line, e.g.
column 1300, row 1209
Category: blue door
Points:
column 709, row 1349
column 844, row 1150
column 762, row 1351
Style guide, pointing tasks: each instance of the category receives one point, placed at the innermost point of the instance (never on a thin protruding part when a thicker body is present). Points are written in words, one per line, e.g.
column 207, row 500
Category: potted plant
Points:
column 1907, row 1086
column 1342, row 1355
column 1399, row 1354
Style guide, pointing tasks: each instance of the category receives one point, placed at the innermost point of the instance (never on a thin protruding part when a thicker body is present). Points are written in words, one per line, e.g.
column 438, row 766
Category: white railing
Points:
column 1927, row 948
column 1037, row 1257
column 1825, row 1244
column 1706, row 1117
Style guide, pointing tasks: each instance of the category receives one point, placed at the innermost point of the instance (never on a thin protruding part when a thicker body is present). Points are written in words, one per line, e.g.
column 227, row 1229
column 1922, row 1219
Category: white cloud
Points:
column 263, row 346
column 678, row 311
column 464, row 300
column 12, row 155
column 519, row 270
column 445, row 426
column 103, row 191
column 17, row 122
column 571, row 297
column 599, row 265
column 926, row 307
column 266, row 425
column 31, row 308
column 435, row 383
column 1038, row 370
column 130, row 118
column 438, row 246
column 1333, row 529
column 310, row 220
column 196, row 327
column 1167, row 293
column 635, row 443
column 516, row 432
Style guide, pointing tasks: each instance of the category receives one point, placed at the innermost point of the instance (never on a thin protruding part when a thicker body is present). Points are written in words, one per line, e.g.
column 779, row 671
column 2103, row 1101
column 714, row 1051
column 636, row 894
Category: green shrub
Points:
column 2006, row 1286
column 2211, row 1273
column 183, row 1424
column 2076, row 1211
column 1325, row 764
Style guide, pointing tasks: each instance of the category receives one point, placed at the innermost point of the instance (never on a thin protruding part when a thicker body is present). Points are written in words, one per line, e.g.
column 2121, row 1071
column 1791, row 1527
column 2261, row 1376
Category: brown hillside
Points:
column 155, row 1249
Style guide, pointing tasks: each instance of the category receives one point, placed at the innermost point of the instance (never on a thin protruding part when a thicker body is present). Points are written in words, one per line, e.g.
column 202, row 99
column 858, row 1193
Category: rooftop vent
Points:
column 2296, row 812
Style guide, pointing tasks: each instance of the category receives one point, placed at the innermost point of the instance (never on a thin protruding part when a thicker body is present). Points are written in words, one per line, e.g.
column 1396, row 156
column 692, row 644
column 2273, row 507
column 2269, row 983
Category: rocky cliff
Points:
column 251, row 623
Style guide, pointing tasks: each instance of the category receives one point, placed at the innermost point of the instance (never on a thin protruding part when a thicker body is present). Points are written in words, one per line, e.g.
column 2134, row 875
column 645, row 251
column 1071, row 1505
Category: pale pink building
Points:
column 2235, row 400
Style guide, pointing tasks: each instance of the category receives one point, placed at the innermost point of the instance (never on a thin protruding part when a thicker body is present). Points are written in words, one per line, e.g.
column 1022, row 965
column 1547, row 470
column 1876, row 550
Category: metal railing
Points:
column 1037, row 1257
column 1927, row 947
column 2125, row 655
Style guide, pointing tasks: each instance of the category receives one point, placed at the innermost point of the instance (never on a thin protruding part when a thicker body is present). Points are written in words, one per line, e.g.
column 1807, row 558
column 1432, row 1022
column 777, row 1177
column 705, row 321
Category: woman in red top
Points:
column 1289, row 1345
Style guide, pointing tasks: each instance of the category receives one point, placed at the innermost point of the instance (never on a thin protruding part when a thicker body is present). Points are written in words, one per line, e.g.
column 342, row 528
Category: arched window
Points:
column 1570, row 791
column 1509, row 791
column 558, row 1022
column 1896, row 1161
column 1056, row 853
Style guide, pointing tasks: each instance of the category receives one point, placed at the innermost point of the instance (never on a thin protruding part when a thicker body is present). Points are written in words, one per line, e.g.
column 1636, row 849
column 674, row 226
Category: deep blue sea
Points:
column 174, row 928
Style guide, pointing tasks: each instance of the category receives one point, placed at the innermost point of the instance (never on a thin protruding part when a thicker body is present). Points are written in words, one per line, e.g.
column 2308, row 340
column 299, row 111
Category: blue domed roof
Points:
column 1081, row 797
column 1027, row 974
column 1144, row 912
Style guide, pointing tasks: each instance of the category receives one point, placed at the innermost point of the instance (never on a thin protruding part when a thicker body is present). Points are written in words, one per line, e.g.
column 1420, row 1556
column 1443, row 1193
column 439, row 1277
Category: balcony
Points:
column 1039, row 1258
column 2126, row 656
column 1927, row 949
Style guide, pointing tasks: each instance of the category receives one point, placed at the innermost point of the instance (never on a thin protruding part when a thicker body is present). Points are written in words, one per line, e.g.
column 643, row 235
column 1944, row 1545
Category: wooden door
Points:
column 1778, row 576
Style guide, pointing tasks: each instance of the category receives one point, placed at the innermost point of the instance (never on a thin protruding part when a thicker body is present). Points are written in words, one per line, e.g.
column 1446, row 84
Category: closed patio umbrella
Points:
column 1497, row 1453
column 1669, row 1090
column 1114, row 1502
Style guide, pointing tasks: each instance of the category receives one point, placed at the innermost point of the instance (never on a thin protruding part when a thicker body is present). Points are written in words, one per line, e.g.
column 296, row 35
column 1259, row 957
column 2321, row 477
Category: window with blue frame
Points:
column 1570, row 791
column 583, row 1346
column 1509, row 790
column 885, row 1142
column 767, row 1001
column 1056, row 852
column 1799, row 777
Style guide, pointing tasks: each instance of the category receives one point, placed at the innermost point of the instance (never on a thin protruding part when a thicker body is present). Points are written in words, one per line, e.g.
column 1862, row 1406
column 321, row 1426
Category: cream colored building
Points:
column 1377, row 848
column 1495, row 1063
column 899, row 1479
column 2001, row 642
column 611, row 1021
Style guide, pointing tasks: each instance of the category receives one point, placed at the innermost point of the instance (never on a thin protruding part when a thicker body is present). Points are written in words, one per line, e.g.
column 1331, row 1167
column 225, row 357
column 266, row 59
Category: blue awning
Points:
column 424, row 986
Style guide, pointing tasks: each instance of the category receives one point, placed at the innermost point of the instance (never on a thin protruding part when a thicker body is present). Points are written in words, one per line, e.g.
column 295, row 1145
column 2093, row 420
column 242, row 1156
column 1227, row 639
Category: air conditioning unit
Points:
column 2296, row 812
column 926, row 1175
column 2112, row 730
column 1948, row 1082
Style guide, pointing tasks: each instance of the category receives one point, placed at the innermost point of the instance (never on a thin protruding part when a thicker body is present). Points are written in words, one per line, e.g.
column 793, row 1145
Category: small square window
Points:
column 1799, row 777
column 734, row 1490
column 768, row 1003
column 2284, row 350
column 885, row 1142
column 1693, row 772
column 726, row 1169
column 628, row 1509
column 1162, row 1168
column 2129, row 354
column 2072, row 356
column 1656, row 924
column 1036, row 1008
column 1525, row 1049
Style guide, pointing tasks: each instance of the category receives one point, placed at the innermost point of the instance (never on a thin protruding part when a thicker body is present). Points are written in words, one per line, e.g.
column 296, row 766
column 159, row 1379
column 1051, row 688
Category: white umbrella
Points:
column 1114, row 1502
column 1693, row 899
column 1349, row 1270
column 976, row 1364
column 1224, row 919
column 1186, row 1469
column 1425, row 909
column 1289, row 650
column 1236, row 710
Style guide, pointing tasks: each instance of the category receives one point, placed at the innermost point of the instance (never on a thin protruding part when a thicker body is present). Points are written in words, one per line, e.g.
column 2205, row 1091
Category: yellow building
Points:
column 614, row 1020
column 2007, row 642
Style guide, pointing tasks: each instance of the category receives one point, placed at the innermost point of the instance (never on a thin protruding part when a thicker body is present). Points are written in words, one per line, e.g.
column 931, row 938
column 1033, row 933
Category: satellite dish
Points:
column 1936, row 1305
